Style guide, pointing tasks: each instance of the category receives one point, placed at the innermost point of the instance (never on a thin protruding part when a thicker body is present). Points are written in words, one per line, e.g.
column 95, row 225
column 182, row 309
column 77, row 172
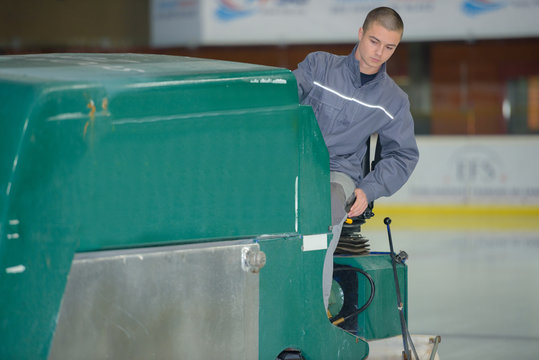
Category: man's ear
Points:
column 360, row 33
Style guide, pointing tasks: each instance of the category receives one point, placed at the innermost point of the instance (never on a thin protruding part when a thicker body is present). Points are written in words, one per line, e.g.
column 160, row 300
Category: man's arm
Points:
column 305, row 75
column 398, row 158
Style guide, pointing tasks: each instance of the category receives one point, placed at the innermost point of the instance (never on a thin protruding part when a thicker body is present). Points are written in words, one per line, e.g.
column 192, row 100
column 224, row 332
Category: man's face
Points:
column 376, row 45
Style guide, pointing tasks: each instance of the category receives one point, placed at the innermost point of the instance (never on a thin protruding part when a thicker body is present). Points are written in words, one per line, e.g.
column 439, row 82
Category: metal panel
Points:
column 185, row 302
column 292, row 312
column 381, row 319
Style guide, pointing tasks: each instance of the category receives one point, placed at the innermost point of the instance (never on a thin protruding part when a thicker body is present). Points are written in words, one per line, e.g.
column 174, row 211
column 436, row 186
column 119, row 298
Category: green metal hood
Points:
column 126, row 149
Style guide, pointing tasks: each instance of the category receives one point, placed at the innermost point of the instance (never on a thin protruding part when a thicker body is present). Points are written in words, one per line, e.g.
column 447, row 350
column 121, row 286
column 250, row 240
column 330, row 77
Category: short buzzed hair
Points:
column 387, row 17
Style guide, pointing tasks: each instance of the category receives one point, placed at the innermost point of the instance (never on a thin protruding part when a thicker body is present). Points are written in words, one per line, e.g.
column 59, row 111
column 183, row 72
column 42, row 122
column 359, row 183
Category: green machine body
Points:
column 155, row 206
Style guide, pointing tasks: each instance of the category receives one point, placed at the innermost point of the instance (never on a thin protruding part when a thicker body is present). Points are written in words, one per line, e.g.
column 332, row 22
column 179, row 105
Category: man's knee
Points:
column 337, row 193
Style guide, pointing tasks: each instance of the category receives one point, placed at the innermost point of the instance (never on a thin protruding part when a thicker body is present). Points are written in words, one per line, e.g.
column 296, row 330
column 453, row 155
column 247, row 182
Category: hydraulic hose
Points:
column 367, row 303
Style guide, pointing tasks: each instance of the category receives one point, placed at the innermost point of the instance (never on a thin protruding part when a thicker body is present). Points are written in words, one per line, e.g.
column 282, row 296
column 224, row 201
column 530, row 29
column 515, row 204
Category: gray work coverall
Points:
column 348, row 113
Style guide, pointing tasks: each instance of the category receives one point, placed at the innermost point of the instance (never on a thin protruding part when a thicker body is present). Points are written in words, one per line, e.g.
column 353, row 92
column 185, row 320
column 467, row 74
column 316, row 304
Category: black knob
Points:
column 387, row 221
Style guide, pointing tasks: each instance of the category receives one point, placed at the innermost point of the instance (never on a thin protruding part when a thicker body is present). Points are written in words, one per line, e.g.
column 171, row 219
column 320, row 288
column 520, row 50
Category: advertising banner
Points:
column 233, row 22
column 474, row 170
column 175, row 23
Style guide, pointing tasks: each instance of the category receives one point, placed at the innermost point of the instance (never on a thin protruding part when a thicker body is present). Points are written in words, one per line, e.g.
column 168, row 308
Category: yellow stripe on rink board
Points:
column 464, row 217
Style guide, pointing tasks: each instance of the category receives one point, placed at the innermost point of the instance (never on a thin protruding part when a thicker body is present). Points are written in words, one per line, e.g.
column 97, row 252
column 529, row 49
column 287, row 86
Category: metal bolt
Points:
column 252, row 259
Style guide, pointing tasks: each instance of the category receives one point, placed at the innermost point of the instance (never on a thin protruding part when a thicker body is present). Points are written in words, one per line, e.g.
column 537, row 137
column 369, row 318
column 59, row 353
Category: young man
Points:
column 353, row 97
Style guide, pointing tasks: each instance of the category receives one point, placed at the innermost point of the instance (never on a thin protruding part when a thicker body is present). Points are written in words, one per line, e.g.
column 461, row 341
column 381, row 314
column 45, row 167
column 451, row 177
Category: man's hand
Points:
column 359, row 205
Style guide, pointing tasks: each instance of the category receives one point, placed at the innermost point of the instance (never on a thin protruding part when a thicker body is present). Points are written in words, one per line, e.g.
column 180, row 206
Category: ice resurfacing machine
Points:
column 160, row 207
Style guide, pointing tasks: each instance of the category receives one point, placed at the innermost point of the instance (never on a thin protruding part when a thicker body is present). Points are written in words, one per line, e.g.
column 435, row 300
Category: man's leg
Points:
column 342, row 190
